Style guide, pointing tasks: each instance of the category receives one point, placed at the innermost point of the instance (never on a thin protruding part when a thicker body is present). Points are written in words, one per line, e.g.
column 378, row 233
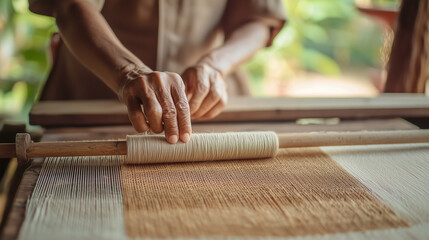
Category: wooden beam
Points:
column 409, row 59
column 110, row 112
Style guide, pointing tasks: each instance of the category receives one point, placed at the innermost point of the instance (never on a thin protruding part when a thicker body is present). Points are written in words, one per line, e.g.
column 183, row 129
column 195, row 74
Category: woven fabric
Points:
column 397, row 174
column 300, row 192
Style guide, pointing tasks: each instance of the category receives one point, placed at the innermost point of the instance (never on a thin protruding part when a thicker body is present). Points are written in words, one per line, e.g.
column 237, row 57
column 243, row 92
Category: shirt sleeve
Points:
column 240, row 12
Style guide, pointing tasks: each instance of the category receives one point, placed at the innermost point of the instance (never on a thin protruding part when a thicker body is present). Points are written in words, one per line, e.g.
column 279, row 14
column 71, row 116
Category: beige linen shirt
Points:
column 167, row 35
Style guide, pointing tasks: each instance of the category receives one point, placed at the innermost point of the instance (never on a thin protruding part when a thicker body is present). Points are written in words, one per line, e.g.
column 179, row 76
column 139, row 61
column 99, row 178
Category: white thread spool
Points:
column 202, row 147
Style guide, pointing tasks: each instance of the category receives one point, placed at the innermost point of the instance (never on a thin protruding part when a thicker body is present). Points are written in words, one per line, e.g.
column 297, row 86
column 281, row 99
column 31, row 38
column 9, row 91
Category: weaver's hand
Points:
column 206, row 91
column 165, row 106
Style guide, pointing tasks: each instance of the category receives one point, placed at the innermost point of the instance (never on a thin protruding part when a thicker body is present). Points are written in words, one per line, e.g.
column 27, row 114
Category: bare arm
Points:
column 91, row 40
column 205, row 81
column 240, row 47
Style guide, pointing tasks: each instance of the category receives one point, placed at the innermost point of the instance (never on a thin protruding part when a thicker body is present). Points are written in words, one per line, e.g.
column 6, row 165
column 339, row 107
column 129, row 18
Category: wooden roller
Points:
column 24, row 148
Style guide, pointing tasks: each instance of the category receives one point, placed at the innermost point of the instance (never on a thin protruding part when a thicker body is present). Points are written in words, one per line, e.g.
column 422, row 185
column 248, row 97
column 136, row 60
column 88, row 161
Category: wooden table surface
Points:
column 29, row 179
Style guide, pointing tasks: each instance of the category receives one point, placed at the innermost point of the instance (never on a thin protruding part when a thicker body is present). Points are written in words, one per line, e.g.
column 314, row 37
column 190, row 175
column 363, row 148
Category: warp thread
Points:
column 397, row 174
column 76, row 198
column 202, row 147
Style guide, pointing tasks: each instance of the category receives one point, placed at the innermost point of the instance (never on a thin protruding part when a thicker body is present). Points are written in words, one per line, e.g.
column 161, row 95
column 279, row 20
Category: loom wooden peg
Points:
column 25, row 148
column 22, row 142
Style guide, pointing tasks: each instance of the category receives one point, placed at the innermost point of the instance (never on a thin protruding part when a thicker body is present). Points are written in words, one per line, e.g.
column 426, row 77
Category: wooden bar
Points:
column 84, row 148
column 110, row 112
column 286, row 140
column 318, row 139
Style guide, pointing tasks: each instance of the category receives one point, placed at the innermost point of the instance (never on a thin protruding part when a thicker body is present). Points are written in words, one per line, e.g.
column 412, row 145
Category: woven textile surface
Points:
column 297, row 193
column 301, row 193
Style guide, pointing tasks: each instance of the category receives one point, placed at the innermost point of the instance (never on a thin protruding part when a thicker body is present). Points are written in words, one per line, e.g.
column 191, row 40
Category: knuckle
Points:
column 174, row 75
column 202, row 88
column 128, row 91
column 155, row 75
column 134, row 87
column 215, row 95
column 217, row 75
column 145, row 97
column 182, row 106
column 153, row 112
column 169, row 113
column 181, row 85
column 176, row 79
column 136, row 83
column 156, row 79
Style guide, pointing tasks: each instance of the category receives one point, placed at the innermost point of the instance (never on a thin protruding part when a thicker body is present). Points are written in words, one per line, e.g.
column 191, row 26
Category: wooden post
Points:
column 409, row 59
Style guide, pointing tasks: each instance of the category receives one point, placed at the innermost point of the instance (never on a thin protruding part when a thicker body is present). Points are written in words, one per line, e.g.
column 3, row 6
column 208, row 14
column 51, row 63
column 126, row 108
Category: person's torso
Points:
column 167, row 35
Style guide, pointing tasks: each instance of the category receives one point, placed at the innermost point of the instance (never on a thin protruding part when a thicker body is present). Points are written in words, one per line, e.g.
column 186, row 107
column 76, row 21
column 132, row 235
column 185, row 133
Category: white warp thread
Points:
column 76, row 198
column 202, row 147
column 398, row 174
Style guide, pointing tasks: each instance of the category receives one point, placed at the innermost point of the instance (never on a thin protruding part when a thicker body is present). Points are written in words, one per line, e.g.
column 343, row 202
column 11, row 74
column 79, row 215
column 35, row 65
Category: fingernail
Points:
column 172, row 139
column 186, row 137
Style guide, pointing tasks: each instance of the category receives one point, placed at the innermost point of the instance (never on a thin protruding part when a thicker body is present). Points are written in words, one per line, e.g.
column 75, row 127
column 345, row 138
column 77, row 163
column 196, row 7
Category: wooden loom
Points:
column 397, row 175
column 112, row 132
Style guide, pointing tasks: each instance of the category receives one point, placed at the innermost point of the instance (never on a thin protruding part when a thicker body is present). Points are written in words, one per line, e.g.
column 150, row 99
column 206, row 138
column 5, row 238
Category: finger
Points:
column 136, row 116
column 214, row 111
column 169, row 116
column 183, row 114
column 189, row 85
column 153, row 111
column 200, row 88
column 216, row 94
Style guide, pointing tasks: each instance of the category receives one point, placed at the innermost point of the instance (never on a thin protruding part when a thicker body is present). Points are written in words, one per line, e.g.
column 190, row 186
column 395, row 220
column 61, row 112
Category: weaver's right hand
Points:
column 165, row 106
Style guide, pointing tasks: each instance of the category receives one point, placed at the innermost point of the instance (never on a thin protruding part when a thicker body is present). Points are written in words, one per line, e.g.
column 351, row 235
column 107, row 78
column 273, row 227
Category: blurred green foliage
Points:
column 24, row 63
column 324, row 36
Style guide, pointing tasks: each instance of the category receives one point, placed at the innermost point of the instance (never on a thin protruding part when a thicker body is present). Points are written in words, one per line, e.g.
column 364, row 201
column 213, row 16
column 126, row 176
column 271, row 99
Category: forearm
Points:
column 91, row 40
column 155, row 100
column 238, row 48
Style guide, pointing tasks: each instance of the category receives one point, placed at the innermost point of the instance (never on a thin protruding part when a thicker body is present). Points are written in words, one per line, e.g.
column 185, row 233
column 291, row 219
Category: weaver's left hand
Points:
column 206, row 91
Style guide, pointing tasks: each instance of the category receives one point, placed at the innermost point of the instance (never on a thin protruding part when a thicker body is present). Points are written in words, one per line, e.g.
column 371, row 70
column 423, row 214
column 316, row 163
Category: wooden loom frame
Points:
column 242, row 109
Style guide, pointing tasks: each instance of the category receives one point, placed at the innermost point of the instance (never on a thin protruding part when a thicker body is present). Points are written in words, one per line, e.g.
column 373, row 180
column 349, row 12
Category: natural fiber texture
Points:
column 202, row 147
column 397, row 174
column 415, row 232
column 300, row 192
column 76, row 198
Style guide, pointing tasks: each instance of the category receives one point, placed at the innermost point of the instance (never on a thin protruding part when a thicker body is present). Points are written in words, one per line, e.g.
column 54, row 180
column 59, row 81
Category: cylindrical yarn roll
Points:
column 202, row 147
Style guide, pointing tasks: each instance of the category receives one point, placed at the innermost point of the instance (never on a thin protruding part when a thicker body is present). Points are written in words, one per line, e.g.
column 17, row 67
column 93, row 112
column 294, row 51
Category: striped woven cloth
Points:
column 354, row 192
